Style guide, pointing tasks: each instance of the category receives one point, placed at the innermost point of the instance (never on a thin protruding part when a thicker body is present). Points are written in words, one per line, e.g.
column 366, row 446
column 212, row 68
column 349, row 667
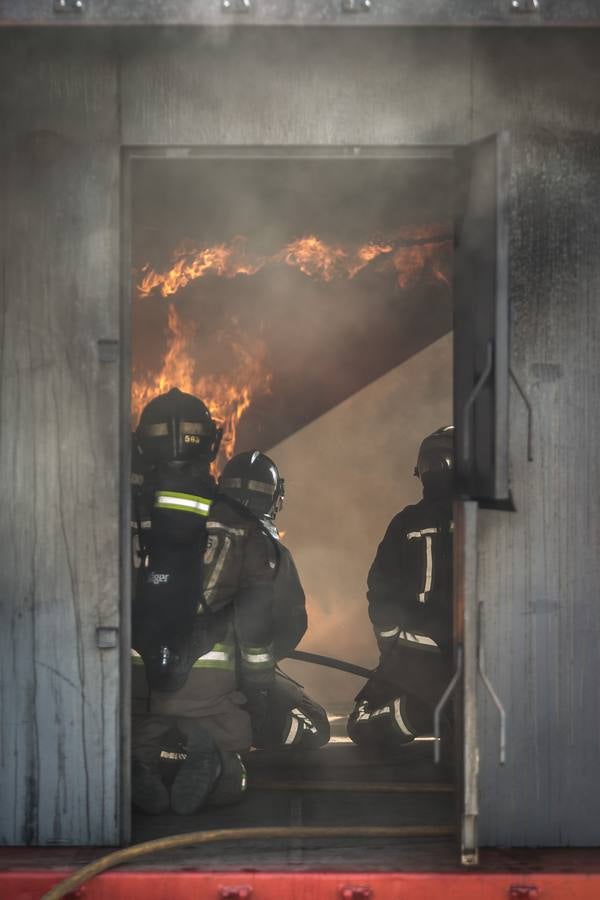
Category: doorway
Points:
column 306, row 296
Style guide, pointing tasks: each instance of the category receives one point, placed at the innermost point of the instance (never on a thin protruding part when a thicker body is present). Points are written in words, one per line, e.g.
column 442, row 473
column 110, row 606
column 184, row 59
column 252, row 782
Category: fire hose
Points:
column 128, row 854
column 332, row 663
column 118, row 857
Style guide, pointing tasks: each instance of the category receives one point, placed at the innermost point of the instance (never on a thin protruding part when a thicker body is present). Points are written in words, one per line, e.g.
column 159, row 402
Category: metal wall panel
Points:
column 525, row 79
column 256, row 86
column 58, row 440
column 300, row 13
column 539, row 568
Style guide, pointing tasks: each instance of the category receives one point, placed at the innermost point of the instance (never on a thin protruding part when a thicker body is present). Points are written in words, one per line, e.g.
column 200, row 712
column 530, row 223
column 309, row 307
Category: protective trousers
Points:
column 208, row 700
column 397, row 704
column 293, row 719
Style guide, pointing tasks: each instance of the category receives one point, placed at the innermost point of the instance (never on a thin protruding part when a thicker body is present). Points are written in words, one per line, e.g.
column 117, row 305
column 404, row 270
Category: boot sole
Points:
column 194, row 782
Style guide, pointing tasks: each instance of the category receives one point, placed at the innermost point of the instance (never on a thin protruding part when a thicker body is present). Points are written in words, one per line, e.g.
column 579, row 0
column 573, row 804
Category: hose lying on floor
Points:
column 240, row 834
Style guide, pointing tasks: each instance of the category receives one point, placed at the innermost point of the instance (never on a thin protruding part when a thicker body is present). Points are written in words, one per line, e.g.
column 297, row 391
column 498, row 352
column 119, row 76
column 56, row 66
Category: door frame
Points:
column 465, row 536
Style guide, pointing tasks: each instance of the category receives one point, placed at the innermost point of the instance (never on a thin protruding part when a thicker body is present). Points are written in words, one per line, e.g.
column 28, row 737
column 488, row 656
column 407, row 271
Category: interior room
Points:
column 306, row 298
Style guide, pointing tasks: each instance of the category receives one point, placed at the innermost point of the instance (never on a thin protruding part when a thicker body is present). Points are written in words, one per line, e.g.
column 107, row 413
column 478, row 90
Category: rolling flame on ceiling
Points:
column 413, row 254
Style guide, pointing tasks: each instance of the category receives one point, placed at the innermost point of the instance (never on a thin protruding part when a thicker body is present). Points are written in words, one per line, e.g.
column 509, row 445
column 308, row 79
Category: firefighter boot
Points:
column 197, row 774
column 148, row 793
column 231, row 785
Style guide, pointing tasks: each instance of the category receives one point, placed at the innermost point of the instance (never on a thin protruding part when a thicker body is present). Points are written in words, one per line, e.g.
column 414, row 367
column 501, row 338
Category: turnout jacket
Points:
column 240, row 566
column 289, row 602
column 410, row 580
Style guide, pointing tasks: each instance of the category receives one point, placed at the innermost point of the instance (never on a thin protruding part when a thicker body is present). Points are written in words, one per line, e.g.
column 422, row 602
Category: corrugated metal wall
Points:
column 68, row 101
column 59, row 547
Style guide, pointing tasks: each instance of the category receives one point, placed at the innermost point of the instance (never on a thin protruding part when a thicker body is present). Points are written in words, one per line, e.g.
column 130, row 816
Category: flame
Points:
column 413, row 253
column 227, row 396
column 410, row 252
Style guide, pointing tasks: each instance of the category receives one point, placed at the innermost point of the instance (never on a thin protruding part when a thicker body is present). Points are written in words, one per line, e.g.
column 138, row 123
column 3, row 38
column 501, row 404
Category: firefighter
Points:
column 410, row 607
column 291, row 719
column 184, row 667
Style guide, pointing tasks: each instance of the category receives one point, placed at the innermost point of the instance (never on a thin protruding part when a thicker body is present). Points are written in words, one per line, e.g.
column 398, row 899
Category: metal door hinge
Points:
column 356, row 6
column 236, row 6
column 525, row 6
column 108, row 350
column 107, row 637
column 69, row 6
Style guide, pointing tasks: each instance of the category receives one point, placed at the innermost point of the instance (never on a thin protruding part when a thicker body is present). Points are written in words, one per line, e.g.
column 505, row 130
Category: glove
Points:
column 257, row 705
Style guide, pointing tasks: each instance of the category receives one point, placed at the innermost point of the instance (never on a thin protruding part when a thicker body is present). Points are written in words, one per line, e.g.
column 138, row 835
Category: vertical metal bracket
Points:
column 466, row 557
column 490, row 689
column 529, row 407
column 437, row 713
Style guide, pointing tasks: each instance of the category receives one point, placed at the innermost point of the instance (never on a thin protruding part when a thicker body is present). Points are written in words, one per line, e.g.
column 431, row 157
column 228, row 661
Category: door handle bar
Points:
column 491, row 691
column 529, row 408
column 443, row 700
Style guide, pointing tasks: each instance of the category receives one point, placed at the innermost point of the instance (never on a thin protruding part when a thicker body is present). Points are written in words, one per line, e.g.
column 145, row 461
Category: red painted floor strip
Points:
column 178, row 885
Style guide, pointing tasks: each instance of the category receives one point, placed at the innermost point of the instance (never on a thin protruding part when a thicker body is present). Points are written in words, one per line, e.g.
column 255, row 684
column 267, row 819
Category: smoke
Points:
column 347, row 474
column 359, row 370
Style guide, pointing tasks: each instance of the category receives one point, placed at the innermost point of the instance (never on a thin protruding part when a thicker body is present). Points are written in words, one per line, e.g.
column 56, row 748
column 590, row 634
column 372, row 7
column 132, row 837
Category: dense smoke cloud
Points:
column 357, row 370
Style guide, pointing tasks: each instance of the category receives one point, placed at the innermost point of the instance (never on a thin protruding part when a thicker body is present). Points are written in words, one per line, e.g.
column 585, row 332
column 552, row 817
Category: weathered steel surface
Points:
column 357, row 13
column 540, row 568
column 523, row 80
column 305, row 87
column 539, row 571
column 58, row 441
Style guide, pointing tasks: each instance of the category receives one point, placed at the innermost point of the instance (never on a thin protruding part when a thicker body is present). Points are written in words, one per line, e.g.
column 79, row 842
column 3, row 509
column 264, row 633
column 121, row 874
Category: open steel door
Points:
column 481, row 389
column 481, row 367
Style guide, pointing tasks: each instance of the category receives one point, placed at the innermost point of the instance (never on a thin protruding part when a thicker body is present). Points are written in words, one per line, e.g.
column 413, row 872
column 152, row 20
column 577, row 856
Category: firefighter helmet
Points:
column 436, row 453
column 177, row 426
column 253, row 479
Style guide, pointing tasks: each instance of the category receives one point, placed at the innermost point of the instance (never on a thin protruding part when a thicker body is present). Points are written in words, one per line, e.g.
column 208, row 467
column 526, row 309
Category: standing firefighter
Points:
column 410, row 607
column 287, row 718
column 184, row 673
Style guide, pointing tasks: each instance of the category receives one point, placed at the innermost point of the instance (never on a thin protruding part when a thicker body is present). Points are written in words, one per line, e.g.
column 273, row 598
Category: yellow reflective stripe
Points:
column 183, row 502
column 259, row 657
column 204, row 663
column 221, row 656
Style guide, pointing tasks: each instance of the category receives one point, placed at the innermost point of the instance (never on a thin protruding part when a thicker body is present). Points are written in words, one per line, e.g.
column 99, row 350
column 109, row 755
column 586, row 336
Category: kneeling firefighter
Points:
column 410, row 607
column 290, row 719
column 184, row 673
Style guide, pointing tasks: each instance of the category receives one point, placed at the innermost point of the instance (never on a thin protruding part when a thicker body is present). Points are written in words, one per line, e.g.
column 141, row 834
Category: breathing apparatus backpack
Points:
column 177, row 440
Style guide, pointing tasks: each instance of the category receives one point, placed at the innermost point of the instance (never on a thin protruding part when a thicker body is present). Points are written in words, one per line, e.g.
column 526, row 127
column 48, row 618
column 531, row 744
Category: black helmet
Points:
column 177, row 426
column 436, row 453
column 254, row 481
